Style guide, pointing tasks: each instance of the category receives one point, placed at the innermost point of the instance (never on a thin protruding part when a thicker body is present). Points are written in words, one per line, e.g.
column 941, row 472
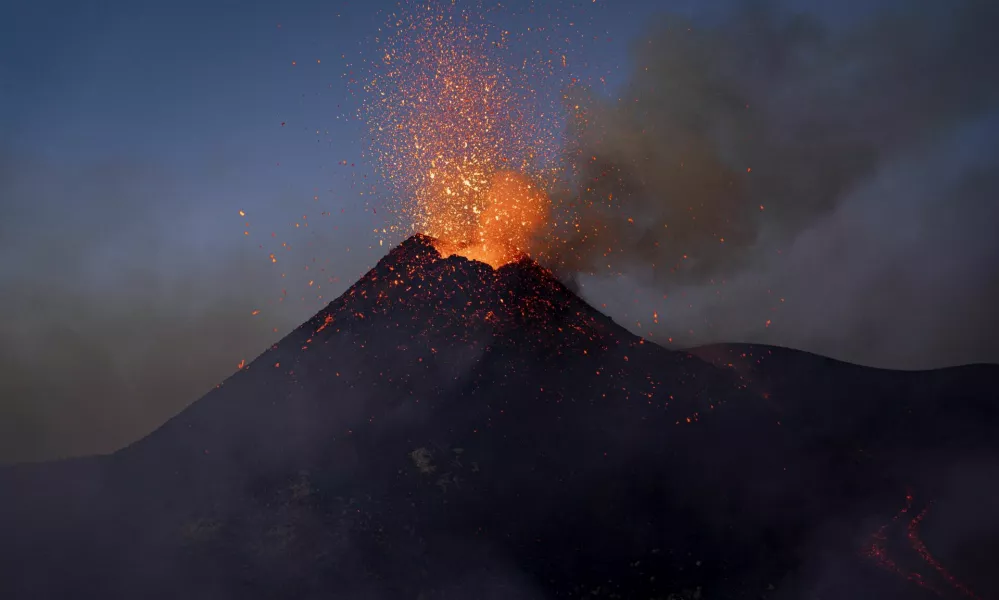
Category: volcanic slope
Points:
column 444, row 430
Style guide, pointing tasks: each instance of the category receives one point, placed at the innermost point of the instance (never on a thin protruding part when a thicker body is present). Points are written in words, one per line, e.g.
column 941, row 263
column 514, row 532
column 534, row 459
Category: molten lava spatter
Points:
column 514, row 208
column 454, row 131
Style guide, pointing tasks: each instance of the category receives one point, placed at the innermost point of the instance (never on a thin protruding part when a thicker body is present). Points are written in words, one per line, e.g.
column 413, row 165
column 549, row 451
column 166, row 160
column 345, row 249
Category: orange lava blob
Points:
column 514, row 210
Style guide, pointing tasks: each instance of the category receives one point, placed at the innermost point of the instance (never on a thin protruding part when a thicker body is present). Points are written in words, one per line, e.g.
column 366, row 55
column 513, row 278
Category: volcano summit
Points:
column 447, row 430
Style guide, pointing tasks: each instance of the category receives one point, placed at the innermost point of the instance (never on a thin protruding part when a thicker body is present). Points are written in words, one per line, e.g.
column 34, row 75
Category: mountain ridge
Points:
column 448, row 430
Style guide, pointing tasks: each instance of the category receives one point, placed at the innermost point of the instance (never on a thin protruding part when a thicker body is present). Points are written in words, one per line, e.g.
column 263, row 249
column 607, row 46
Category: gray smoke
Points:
column 846, row 169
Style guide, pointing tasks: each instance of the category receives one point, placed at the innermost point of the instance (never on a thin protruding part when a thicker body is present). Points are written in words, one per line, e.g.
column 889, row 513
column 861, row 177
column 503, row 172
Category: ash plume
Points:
column 757, row 152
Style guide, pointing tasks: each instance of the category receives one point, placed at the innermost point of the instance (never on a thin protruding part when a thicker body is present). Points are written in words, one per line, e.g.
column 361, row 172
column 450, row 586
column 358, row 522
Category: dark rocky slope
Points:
column 444, row 430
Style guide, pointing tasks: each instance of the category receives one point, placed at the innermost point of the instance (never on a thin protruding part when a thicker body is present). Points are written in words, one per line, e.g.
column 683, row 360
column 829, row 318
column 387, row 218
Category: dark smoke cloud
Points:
column 813, row 112
column 775, row 132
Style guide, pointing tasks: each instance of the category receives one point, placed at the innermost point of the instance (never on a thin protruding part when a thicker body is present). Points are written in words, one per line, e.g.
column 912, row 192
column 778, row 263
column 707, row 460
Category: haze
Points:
column 133, row 134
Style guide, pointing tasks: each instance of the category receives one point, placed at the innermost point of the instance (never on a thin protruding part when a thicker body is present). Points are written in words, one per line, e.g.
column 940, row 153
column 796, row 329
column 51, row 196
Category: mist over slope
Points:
column 447, row 430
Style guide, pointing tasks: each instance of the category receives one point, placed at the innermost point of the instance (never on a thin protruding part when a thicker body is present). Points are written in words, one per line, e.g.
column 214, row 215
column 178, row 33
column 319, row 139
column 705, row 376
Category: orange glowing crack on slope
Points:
column 877, row 550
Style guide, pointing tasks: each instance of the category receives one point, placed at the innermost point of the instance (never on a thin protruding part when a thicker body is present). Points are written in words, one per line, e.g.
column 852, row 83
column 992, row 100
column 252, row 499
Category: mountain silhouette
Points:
column 444, row 430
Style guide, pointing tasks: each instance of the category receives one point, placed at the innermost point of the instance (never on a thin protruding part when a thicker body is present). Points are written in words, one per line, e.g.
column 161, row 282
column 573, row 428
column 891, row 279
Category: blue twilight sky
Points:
column 193, row 96
column 132, row 133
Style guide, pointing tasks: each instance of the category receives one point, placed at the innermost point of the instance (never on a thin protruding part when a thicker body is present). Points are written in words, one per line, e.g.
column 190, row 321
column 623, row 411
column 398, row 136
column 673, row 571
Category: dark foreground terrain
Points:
column 446, row 431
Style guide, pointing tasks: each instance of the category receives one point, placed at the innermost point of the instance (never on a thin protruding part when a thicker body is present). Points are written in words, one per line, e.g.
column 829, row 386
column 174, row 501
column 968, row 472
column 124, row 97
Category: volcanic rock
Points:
column 446, row 430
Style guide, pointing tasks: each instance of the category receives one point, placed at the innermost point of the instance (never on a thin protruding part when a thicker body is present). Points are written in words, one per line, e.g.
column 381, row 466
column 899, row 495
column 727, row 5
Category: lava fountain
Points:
column 456, row 133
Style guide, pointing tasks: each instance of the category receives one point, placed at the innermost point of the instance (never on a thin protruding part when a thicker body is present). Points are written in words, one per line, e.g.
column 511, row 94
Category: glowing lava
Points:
column 877, row 550
column 514, row 209
column 452, row 131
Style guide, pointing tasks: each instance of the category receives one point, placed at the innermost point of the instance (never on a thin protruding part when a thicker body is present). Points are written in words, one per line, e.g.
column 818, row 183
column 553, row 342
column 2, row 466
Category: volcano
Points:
column 444, row 430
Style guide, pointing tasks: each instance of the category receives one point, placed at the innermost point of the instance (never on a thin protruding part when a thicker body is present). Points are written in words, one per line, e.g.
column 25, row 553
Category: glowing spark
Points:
column 449, row 120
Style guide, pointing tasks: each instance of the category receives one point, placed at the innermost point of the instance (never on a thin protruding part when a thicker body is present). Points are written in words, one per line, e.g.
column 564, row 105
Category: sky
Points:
column 183, row 183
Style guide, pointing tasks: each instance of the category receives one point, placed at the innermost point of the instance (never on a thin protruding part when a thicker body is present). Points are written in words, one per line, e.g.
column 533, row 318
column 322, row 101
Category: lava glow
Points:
column 514, row 209
column 453, row 131
column 929, row 579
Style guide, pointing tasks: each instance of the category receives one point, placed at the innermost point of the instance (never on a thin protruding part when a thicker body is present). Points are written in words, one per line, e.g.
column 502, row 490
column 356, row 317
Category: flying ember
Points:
column 450, row 117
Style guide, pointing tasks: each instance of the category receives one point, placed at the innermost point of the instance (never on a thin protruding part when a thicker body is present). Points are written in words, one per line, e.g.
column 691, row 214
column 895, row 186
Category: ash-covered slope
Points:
column 443, row 430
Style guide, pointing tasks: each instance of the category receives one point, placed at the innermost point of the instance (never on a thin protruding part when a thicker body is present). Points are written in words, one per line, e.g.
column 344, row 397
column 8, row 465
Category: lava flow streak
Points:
column 877, row 550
